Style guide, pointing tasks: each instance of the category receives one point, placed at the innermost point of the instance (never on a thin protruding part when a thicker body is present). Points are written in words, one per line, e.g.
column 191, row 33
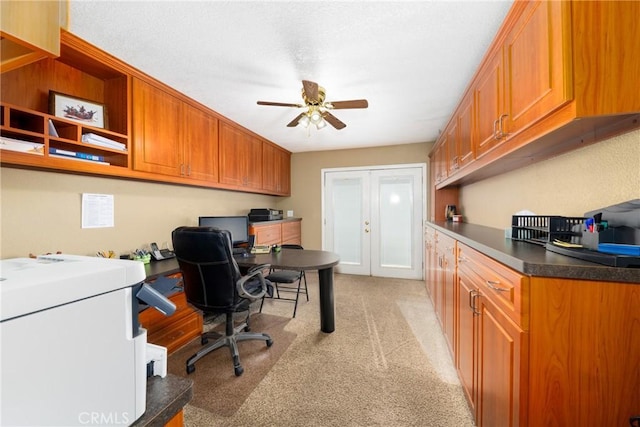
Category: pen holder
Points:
column 590, row 240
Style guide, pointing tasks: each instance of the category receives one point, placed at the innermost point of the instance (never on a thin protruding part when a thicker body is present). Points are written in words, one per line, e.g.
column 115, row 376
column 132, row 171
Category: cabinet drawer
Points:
column 504, row 287
column 152, row 320
column 178, row 333
column 446, row 246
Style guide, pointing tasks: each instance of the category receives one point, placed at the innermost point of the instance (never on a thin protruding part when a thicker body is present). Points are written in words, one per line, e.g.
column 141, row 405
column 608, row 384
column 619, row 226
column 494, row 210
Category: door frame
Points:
column 422, row 166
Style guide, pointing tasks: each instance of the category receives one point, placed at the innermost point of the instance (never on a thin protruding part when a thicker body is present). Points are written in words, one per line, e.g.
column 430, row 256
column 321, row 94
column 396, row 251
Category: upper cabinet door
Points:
column 200, row 144
column 538, row 72
column 157, row 143
column 276, row 172
column 489, row 98
column 240, row 158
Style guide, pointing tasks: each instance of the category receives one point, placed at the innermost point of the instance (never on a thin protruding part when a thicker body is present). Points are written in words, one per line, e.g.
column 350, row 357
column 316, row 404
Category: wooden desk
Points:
column 293, row 259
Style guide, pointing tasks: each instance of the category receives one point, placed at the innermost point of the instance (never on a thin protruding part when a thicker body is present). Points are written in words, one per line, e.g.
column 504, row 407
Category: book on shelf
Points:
column 58, row 156
column 21, row 146
column 76, row 154
column 92, row 138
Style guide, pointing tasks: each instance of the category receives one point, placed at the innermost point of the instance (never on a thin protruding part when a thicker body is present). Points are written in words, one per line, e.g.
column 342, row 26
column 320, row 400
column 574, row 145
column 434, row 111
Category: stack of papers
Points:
column 92, row 138
column 21, row 146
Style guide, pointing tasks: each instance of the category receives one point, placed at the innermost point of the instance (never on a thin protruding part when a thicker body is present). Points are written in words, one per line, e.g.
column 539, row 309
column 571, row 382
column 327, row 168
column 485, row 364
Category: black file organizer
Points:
column 543, row 230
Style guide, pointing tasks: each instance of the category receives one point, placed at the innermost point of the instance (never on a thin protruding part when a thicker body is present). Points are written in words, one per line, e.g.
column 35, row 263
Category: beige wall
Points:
column 306, row 198
column 41, row 212
column 592, row 177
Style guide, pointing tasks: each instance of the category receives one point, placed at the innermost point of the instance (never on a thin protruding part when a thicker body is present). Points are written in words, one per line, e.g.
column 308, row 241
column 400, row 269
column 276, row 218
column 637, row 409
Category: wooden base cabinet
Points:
column 277, row 232
column 492, row 355
column 539, row 351
column 585, row 353
column 441, row 276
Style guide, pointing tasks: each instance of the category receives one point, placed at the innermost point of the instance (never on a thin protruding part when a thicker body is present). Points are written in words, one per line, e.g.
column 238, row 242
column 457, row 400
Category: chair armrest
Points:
column 260, row 267
column 255, row 272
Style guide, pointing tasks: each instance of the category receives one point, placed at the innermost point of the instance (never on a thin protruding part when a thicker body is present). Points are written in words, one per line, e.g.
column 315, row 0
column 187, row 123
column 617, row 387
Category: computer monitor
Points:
column 237, row 225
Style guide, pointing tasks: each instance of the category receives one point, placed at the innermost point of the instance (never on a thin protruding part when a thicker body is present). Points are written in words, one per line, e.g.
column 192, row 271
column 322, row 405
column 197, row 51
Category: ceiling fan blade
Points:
column 294, row 122
column 279, row 104
column 310, row 91
column 333, row 120
column 341, row 105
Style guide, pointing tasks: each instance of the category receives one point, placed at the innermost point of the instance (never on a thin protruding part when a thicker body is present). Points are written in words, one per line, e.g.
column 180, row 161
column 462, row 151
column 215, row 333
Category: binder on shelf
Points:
column 76, row 154
column 58, row 156
column 92, row 138
column 21, row 146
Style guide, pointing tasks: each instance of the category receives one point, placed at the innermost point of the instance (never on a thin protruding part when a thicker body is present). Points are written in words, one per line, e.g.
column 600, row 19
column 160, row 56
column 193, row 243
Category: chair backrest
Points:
column 208, row 269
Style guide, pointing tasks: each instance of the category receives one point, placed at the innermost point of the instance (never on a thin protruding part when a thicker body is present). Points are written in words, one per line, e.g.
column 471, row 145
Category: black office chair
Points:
column 213, row 284
column 282, row 279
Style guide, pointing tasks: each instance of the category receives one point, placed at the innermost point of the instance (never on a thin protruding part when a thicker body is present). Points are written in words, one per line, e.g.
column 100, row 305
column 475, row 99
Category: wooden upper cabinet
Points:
column 526, row 77
column 451, row 142
column 157, row 143
column 440, row 160
column 489, row 101
column 556, row 77
column 240, row 158
column 30, row 31
column 276, row 171
column 200, row 144
column 466, row 134
column 537, row 56
column 605, row 74
column 171, row 137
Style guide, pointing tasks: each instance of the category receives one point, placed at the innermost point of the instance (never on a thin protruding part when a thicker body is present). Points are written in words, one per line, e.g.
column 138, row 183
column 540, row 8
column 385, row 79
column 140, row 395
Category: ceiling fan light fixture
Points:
column 304, row 121
column 315, row 117
column 321, row 124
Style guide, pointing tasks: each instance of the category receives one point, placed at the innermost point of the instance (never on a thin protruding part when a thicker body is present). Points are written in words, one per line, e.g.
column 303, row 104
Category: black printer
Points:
column 263, row 214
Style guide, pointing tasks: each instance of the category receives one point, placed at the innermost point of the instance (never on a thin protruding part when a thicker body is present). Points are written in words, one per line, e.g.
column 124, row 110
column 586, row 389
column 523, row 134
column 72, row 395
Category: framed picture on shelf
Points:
column 77, row 109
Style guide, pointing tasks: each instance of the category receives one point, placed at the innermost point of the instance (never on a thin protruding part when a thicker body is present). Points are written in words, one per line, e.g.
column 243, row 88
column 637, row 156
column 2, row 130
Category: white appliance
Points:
column 72, row 351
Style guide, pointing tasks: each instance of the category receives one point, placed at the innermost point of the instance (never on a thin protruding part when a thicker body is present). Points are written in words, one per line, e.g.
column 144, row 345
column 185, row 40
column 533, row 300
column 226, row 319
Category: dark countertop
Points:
column 165, row 398
column 532, row 259
column 274, row 221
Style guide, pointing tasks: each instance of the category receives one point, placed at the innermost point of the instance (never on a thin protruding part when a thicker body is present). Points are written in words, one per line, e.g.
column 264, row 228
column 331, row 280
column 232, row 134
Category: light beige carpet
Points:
column 216, row 389
column 385, row 364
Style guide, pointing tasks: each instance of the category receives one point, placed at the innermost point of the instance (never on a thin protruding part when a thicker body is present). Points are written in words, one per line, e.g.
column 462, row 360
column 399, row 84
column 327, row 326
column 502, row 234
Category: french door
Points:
column 373, row 219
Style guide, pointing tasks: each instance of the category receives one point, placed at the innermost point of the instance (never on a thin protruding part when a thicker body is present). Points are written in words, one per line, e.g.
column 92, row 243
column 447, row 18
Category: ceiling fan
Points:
column 317, row 108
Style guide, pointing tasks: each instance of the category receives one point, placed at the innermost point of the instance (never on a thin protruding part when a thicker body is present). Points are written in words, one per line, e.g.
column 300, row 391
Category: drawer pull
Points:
column 472, row 301
column 492, row 284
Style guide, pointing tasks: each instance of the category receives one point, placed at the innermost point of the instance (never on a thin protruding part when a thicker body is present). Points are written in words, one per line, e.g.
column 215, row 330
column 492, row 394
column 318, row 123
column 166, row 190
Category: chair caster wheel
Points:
column 204, row 340
column 191, row 368
column 239, row 370
column 269, row 343
column 247, row 329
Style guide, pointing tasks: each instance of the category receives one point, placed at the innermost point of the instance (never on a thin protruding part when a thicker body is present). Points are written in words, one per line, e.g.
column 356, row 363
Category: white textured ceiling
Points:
column 410, row 59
